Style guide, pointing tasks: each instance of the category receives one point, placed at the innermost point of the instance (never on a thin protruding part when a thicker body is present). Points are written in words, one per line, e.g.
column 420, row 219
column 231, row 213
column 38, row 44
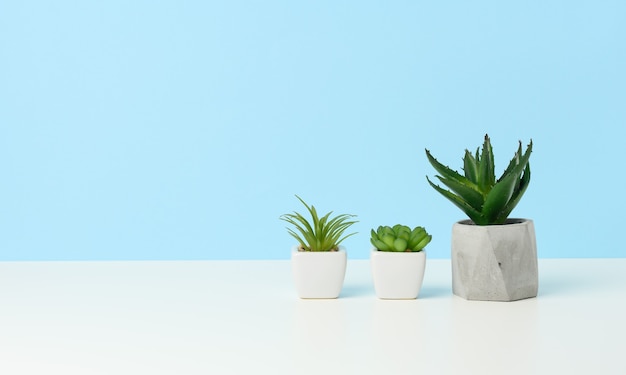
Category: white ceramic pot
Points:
column 494, row 262
column 398, row 275
column 318, row 274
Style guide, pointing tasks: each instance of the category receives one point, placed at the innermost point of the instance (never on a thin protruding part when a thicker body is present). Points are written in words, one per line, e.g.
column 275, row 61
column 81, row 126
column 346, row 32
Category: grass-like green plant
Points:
column 484, row 199
column 321, row 233
column 400, row 238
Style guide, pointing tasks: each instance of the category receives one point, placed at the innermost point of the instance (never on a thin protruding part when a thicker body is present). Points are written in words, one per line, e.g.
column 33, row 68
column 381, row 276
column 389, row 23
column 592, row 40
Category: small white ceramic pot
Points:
column 398, row 275
column 318, row 274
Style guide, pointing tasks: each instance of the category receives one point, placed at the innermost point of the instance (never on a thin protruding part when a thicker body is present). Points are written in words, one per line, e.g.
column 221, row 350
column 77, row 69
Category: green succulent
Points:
column 321, row 234
column 400, row 238
column 484, row 199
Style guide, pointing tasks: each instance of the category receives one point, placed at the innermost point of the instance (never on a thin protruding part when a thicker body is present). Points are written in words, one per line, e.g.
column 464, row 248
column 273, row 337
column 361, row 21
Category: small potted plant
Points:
column 494, row 257
column 318, row 262
column 398, row 260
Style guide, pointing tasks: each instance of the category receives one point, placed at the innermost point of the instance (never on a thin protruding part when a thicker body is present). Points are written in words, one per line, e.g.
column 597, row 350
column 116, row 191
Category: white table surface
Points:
column 243, row 317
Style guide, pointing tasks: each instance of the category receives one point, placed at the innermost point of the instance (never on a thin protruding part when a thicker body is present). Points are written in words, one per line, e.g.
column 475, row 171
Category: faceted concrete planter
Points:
column 318, row 274
column 398, row 275
column 494, row 262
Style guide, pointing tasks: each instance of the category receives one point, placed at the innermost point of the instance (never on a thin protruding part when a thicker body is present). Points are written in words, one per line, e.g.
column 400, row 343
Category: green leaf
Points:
column 500, row 202
column 297, row 237
column 404, row 234
column 470, row 211
column 448, row 173
column 518, row 158
column 318, row 234
column 469, row 167
column 381, row 231
column 498, row 197
column 380, row 245
column 425, row 241
column 417, row 233
column 472, row 197
column 416, row 236
column 373, row 234
column 517, row 195
column 388, row 239
column 519, row 161
column 486, row 176
column 400, row 244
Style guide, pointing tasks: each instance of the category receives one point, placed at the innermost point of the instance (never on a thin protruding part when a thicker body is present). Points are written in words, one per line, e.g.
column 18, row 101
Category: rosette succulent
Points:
column 485, row 200
column 321, row 233
column 400, row 238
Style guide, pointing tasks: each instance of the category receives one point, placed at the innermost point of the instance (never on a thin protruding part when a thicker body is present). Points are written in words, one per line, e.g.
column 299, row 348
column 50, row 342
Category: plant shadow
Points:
column 562, row 285
column 434, row 292
column 356, row 290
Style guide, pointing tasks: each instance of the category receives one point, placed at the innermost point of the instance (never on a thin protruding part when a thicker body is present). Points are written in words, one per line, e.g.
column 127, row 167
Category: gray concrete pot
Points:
column 494, row 262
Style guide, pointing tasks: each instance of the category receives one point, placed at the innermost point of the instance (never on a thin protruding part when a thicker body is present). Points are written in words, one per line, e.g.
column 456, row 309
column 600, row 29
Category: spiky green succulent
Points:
column 485, row 200
column 321, row 233
column 400, row 238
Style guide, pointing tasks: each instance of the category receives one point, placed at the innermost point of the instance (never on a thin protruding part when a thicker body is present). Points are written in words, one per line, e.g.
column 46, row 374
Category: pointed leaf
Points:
column 373, row 234
column 519, row 161
column 470, row 167
column 486, row 177
column 472, row 197
column 320, row 234
column 498, row 198
column 449, row 173
column 472, row 213
column 517, row 195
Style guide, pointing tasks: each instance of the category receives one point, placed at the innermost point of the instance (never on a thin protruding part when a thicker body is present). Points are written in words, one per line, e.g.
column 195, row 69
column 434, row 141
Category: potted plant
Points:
column 398, row 260
column 318, row 262
column 494, row 257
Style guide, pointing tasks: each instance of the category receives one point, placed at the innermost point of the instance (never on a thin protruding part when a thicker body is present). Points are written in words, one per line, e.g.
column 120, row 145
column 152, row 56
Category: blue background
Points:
column 183, row 129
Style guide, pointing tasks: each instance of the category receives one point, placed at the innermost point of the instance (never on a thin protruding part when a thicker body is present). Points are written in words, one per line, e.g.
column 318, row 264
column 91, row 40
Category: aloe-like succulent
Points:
column 484, row 199
column 400, row 238
column 322, row 233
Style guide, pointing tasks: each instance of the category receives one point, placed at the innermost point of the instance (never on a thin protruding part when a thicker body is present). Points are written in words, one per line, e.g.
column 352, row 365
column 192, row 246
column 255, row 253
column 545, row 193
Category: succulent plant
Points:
column 400, row 238
column 484, row 199
column 321, row 234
